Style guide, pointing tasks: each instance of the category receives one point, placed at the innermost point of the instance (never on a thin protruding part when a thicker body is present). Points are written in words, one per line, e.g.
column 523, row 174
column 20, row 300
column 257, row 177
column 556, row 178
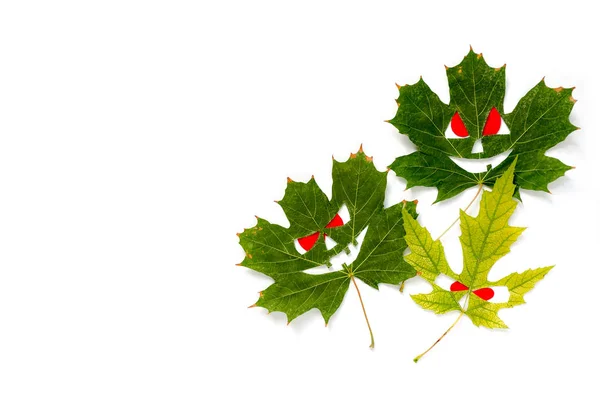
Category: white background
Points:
column 137, row 138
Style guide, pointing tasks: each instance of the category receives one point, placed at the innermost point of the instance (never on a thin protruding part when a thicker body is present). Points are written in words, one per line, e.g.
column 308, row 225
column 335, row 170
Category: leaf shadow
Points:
column 304, row 321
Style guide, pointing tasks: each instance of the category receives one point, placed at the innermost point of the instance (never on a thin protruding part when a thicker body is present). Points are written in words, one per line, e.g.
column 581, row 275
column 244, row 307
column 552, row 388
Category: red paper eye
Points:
column 458, row 287
column 335, row 222
column 492, row 125
column 309, row 241
column 485, row 293
column 458, row 126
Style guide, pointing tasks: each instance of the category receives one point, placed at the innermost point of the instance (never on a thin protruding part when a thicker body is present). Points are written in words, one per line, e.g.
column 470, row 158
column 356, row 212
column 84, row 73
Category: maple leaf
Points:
column 484, row 240
column 270, row 248
column 475, row 113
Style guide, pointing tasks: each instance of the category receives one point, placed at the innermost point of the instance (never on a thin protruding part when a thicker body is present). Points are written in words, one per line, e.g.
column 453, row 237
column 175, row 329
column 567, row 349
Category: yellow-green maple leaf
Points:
column 484, row 239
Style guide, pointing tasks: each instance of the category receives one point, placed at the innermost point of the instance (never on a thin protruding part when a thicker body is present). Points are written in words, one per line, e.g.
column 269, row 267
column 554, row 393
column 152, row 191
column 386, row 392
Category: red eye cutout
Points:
column 335, row 222
column 307, row 242
column 457, row 287
column 484, row 293
column 458, row 126
column 492, row 125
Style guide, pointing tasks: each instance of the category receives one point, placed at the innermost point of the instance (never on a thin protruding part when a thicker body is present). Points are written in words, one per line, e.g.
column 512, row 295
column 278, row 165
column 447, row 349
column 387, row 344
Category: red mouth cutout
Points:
column 483, row 293
column 309, row 241
column 491, row 127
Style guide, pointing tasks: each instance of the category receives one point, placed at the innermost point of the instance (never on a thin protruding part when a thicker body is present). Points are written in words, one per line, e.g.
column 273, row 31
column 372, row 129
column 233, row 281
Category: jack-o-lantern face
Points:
column 494, row 125
column 473, row 126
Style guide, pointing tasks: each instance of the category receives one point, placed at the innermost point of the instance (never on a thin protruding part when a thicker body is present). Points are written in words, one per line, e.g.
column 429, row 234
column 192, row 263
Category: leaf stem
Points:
column 417, row 358
column 364, row 312
column 463, row 310
column 465, row 210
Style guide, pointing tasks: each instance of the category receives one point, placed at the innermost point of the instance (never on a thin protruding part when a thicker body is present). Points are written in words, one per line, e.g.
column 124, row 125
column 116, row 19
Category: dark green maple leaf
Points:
column 271, row 249
column 539, row 121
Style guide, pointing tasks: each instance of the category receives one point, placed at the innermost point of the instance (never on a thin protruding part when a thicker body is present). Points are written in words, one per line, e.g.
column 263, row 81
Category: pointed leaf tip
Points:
column 289, row 180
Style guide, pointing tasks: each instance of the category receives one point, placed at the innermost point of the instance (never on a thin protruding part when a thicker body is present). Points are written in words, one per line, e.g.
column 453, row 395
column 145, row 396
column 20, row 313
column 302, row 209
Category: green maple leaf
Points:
column 270, row 248
column 539, row 121
column 484, row 239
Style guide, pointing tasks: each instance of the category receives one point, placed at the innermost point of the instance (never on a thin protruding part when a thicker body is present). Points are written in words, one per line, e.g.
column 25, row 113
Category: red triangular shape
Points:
column 335, row 222
column 309, row 241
